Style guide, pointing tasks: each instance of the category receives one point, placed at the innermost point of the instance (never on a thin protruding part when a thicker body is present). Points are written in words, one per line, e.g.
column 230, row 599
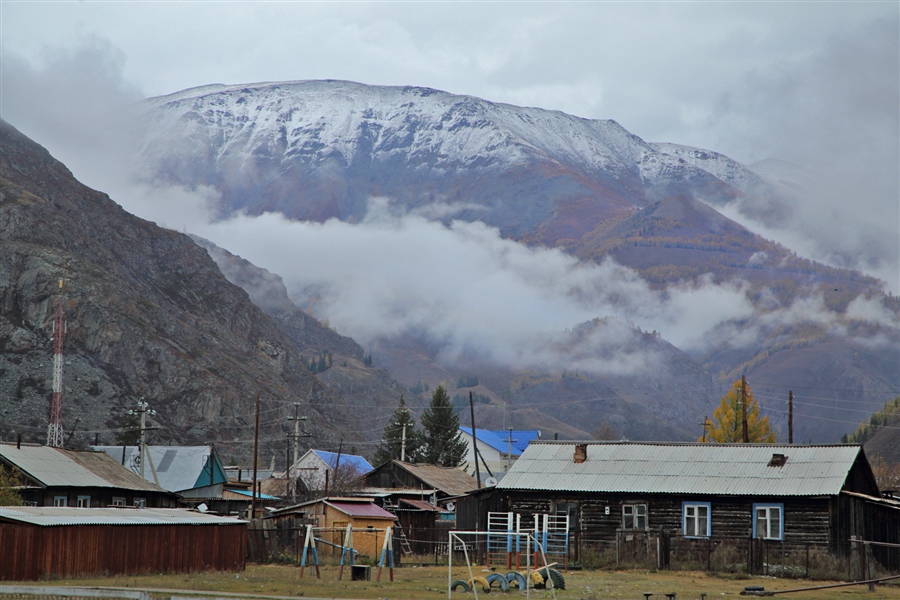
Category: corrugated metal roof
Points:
column 452, row 481
column 734, row 469
column 56, row 467
column 57, row 516
column 178, row 468
column 361, row 509
column 420, row 505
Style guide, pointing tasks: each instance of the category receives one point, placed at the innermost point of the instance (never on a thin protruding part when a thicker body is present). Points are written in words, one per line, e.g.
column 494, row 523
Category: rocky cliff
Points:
column 149, row 315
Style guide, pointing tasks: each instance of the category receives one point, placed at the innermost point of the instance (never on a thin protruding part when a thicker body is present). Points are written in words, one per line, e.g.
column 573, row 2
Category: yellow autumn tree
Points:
column 727, row 425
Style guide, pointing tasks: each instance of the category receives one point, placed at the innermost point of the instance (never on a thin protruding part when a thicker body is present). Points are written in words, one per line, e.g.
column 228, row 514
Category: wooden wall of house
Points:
column 389, row 475
column 100, row 497
column 806, row 520
column 31, row 552
column 472, row 509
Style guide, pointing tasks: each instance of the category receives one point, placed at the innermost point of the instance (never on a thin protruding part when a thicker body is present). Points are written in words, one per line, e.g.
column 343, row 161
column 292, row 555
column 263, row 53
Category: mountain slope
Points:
column 315, row 150
column 149, row 316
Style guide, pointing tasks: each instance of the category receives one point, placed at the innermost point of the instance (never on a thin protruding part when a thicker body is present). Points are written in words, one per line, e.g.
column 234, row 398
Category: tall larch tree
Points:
column 443, row 443
column 391, row 447
column 727, row 424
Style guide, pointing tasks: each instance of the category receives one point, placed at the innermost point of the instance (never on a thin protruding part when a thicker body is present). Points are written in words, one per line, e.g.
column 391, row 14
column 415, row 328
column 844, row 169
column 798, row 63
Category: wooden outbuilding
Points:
column 332, row 515
column 51, row 542
column 445, row 482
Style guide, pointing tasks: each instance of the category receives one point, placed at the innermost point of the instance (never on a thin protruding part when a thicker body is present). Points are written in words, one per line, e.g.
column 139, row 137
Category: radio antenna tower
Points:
column 54, row 428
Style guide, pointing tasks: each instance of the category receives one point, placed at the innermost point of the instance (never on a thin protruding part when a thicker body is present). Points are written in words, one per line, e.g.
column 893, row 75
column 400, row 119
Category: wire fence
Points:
column 849, row 560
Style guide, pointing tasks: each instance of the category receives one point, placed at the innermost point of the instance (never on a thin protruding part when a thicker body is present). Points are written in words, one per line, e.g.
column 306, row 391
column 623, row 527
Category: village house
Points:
column 316, row 469
column 499, row 448
column 189, row 471
column 619, row 493
column 70, row 478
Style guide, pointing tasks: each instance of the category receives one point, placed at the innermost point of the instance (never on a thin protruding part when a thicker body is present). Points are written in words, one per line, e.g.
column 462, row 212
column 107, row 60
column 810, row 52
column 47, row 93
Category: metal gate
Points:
column 551, row 532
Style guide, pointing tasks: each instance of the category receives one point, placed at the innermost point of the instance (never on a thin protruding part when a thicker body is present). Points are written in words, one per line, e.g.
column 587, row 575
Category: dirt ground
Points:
column 424, row 583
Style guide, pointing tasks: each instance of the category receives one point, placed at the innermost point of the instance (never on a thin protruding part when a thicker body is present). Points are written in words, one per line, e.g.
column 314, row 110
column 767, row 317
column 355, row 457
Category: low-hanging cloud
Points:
column 833, row 111
column 463, row 284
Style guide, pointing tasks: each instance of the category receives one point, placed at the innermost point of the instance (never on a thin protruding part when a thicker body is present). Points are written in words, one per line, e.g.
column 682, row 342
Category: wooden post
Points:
column 474, row 442
column 745, row 432
column 790, row 417
column 387, row 552
column 255, row 460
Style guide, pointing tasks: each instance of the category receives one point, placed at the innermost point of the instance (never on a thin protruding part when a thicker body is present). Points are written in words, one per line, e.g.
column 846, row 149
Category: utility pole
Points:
column 255, row 460
column 509, row 441
column 296, row 436
column 403, row 444
column 705, row 426
column 790, row 417
column 143, row 410
column 746, row 433
column 54, row 427
column 475, row 440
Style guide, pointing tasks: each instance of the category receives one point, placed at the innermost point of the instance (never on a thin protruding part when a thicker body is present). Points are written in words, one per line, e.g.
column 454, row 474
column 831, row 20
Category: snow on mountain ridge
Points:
column 307, row 116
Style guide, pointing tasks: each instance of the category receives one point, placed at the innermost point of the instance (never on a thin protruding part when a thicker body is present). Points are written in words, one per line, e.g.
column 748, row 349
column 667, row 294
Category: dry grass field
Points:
column 423, row 583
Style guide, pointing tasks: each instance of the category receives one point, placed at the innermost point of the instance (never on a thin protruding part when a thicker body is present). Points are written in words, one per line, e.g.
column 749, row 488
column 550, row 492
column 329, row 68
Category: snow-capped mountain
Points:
column 320, row 149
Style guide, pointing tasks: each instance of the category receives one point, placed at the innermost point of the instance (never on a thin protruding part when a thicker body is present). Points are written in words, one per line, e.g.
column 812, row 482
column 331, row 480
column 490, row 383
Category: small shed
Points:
column 59, row 477
column 44, row 542
column 332, row 515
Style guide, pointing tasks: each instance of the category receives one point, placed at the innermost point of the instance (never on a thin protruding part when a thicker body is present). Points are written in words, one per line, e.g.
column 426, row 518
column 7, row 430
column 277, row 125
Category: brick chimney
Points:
column 580, row 453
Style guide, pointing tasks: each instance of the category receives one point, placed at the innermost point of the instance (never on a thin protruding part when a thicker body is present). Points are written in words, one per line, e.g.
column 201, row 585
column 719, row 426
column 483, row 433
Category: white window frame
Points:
column 634, row 513
column 118, row 501
column 691, row 515
column 60, row 501
column 768, row 509
column 83, row 502
column 140, row 503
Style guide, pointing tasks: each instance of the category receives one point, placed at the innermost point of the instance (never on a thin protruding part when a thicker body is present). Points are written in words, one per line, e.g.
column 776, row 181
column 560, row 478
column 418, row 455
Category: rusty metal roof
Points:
column 668, row 468
column 361, row 509
column 56, row 467
column 58, row 516
column 452, row 481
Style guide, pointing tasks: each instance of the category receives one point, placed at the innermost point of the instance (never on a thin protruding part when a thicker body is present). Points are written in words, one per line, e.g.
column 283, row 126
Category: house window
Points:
column 60, row 501
column 695, row 519
column 634, row 516
column 118, row 501
column 140, row 503
column 84, row 502
column 768, row 521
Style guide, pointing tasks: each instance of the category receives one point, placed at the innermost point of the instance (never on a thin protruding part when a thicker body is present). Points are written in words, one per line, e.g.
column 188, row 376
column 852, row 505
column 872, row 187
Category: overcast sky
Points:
column 715, row 75
column 814, row 83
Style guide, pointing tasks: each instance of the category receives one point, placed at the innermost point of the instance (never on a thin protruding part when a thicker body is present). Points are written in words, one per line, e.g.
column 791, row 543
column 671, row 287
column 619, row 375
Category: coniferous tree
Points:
column 443, row 443
column 728, row 417
column 391, row 447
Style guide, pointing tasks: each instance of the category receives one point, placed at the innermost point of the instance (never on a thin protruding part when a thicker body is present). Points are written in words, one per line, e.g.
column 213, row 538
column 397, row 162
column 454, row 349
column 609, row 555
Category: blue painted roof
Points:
column 357, row 462
column 496, row 438
column 521, row 437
